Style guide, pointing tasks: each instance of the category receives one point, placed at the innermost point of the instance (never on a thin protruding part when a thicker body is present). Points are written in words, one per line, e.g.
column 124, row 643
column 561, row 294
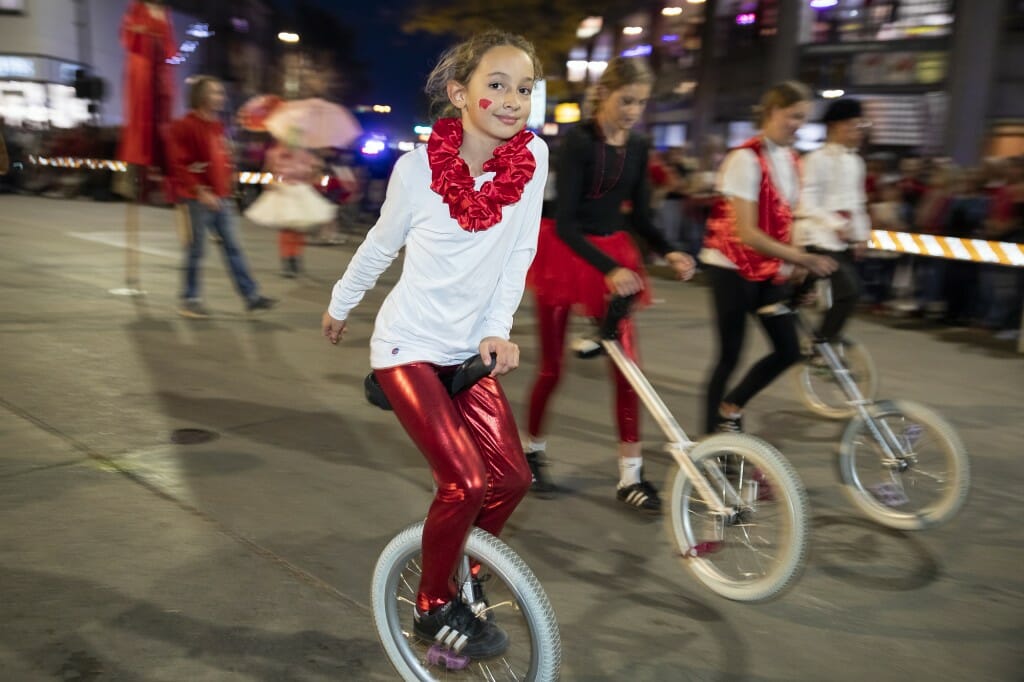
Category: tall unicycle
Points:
column 738, row 508
column 496, row 584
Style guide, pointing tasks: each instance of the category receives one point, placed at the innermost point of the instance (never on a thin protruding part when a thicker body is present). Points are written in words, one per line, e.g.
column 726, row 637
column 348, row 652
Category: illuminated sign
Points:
column 637, row 51
column 17, row 67
column 567, row 112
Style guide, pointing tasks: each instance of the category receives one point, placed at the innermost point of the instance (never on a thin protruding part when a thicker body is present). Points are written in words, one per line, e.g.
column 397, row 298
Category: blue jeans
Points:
column 221, row 222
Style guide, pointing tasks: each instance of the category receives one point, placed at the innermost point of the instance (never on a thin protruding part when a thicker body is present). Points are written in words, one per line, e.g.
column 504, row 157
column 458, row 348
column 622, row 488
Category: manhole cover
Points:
column 192, row 436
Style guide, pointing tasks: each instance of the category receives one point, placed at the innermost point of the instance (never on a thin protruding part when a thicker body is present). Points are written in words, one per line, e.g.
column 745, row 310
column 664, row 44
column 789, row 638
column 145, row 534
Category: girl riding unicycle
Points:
column 467, row 210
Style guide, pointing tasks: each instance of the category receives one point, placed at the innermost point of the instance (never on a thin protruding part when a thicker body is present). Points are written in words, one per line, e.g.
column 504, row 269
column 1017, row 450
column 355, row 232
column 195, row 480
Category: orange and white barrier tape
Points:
column 953, row 248
column 75, row 162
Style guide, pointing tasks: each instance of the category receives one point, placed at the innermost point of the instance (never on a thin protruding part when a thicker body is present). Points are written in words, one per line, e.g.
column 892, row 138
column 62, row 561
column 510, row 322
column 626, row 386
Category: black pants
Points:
column 734, row 298
column 845, row 293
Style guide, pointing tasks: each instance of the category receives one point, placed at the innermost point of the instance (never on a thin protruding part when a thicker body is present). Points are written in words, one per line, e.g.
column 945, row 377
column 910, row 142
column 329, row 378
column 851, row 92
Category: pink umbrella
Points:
column 253, row 114
column 313, row 123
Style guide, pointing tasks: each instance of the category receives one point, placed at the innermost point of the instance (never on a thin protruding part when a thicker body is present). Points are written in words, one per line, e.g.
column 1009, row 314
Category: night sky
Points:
column 397, row 64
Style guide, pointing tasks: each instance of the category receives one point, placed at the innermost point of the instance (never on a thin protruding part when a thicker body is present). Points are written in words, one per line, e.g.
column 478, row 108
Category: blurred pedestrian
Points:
column 832, row 215
column 1002, row 285
column 587, row 254
column 203, row 178
column 748, row 256
column 291, row 205
column 466, row 208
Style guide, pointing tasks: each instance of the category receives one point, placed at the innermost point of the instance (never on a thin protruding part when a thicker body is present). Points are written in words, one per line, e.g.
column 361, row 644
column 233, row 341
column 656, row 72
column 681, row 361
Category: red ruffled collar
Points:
column 476, row 210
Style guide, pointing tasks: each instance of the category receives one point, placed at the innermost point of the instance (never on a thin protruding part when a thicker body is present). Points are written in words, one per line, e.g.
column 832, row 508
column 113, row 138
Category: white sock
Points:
column 629, row 470
column 532, row 445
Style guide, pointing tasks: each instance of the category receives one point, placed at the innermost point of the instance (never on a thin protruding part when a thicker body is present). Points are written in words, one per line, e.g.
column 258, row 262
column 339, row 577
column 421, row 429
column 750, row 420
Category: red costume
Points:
column 774, row 217
column 148, row 84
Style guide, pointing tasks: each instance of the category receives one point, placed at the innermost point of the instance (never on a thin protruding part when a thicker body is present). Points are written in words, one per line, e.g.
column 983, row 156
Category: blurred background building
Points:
column 936, row 76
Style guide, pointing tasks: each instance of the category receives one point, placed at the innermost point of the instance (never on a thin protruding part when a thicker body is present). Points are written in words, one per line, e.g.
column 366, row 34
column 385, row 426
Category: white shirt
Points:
column 457, row 287
column 833, row 181
column 740, row 176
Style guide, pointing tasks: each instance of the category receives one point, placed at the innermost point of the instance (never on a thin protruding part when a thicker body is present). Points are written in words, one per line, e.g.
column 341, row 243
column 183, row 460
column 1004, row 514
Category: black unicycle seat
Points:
column 465, row 375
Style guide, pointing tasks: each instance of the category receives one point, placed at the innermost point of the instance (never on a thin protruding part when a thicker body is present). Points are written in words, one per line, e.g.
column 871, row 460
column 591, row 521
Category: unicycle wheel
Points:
column 924, row 486
column 759, row 550
column 822, row 393
column 517, row 604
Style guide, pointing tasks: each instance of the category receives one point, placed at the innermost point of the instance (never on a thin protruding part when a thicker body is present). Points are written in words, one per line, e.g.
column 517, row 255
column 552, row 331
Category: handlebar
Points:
column 618, row 310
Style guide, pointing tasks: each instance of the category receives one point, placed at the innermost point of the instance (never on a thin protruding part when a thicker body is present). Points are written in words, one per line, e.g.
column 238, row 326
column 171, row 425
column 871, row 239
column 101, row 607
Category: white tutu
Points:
column 293, row 206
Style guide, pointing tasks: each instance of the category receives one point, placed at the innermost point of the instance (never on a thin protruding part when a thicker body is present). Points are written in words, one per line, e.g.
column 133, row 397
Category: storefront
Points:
column 39, row 91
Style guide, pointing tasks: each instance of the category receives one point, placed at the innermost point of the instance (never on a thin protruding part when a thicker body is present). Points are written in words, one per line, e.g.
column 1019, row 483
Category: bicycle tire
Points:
column 823, row 395
column 956, row 475
column 790, row 503
column 502, row 562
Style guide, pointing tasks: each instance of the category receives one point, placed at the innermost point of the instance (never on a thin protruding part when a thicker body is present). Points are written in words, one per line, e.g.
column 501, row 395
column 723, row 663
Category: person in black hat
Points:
column 832, row 216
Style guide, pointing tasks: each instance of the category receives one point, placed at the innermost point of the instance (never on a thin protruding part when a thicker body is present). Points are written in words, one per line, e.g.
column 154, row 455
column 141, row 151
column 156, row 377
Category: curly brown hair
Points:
column 460, row 61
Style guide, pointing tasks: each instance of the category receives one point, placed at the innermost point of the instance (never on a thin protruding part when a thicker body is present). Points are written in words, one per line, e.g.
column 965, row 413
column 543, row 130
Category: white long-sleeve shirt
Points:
column 833, row 181
column 457, row 287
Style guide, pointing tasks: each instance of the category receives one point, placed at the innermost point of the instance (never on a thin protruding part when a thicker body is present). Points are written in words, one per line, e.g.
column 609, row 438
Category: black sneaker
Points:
column 642, row 495
column 542, row 483
column 456, row 627
column 193, row 310
column 261, row 303
column 729, row 424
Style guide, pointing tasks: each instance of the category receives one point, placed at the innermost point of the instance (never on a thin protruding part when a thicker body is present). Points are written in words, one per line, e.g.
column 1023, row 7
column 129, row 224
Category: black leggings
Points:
column 733, row 298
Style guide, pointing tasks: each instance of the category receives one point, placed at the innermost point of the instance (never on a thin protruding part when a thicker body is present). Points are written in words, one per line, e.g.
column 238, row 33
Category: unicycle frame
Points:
column 679, row 444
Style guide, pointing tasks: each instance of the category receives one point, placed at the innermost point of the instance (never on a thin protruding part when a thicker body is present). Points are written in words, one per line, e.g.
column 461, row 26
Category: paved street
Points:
column 126, row 556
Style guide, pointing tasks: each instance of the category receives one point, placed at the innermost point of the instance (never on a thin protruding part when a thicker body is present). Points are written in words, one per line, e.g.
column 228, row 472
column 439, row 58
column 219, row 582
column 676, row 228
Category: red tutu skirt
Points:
column 559, row 276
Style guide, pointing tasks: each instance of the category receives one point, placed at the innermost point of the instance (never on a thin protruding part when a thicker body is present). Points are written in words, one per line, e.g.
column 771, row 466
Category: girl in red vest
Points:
column 747, row 252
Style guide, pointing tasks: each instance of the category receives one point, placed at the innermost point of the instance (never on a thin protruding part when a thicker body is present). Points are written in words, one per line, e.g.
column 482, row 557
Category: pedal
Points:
column 889, row 494
column 438, row 655
column 702, row 549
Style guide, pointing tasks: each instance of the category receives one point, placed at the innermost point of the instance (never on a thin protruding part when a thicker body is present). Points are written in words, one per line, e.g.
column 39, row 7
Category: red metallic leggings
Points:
column 553, row 322
column 473, row 448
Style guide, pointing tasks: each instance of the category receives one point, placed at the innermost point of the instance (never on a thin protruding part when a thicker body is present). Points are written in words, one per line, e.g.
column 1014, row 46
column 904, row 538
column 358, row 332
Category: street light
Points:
column 672, row 11
column 632, row 30
column 288, row 37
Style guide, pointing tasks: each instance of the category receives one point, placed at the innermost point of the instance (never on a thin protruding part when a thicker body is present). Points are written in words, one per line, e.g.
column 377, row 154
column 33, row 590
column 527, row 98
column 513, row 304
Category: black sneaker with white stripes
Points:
column 729, row 424
column 642, row 495
column 456, row 627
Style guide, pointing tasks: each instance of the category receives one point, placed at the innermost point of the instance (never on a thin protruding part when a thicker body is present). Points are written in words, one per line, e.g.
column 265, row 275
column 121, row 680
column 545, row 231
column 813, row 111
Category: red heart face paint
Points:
column 484, row 103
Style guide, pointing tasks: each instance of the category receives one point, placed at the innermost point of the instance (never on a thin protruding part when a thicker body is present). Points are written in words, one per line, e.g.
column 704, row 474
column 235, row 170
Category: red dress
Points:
column 148, row 85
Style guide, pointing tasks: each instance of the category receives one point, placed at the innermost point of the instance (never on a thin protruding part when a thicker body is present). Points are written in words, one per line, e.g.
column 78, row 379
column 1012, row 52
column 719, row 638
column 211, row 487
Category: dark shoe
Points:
column 642, row 496
column 193, row 310
column 286, row 268
column 729, row 424
column 456, row 627
column 261, row 303
column 539, row 468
